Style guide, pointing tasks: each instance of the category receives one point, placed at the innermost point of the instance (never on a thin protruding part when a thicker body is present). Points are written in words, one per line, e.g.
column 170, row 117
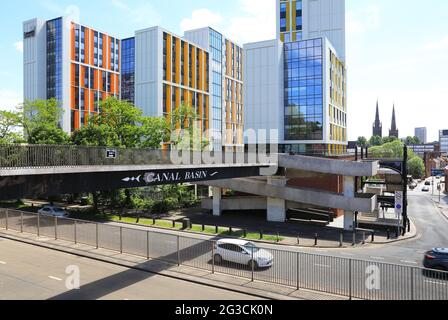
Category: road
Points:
column 33, row 273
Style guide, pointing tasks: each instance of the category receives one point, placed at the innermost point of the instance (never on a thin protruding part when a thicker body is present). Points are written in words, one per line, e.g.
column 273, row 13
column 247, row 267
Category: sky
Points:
column 397, row 51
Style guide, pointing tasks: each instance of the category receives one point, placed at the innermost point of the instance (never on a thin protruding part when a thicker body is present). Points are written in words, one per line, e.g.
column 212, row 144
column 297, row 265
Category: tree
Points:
column 121, row 124
column 362, row 142
column 8, row 125
column 40, row 121
column 376, row 141
column 184, row 129
column 416, row 167
column 389, row 139
column 412, row 141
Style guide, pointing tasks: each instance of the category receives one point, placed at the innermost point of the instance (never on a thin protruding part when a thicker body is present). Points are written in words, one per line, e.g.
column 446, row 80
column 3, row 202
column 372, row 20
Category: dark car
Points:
column 436, row 259
column 427, row 183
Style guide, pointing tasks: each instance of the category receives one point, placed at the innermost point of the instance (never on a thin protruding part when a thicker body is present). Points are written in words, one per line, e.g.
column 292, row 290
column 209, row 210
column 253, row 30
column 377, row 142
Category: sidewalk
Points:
column 199, row 276
column 442, row 205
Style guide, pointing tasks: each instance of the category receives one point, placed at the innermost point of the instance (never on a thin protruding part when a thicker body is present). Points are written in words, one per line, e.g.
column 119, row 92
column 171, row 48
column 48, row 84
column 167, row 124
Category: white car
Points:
column 242, row 252
column 53, row 211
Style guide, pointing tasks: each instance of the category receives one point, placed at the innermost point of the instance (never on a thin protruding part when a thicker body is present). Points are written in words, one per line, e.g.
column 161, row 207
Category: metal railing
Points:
column 48, row 156
column 342, row 276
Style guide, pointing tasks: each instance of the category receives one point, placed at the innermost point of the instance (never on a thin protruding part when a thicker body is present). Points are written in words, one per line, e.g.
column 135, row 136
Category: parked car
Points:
column 425, row 189
column 53, row 211
column 427, row 183
column 242, row 252
column 436, row 259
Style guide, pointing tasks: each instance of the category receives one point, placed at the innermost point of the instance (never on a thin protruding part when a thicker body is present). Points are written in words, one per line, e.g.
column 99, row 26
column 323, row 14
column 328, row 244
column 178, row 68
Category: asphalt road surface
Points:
column 33, row 273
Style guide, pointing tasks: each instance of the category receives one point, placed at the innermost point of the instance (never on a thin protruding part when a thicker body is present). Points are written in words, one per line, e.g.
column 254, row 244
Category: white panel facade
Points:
column 325, row 18
column 66, row 74
column 263, row 93
column 148, row 72
column 34, row 60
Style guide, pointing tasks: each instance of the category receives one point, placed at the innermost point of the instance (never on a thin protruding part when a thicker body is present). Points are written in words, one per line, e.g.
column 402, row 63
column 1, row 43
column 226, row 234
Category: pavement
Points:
column 35, row 273
column 132, row 275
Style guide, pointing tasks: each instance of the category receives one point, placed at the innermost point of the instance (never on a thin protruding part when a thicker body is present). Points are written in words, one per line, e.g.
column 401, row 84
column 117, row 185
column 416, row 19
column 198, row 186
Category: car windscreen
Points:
column 251, row 247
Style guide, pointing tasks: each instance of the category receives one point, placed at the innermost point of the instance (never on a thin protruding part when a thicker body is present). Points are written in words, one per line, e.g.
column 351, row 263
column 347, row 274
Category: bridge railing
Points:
column 47, row 156
column 352, row 278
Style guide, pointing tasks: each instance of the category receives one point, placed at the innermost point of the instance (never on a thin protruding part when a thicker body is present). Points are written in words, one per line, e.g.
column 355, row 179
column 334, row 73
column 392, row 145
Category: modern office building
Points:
column 422, row 134
column 443, row 140
column 297, row 83
column 226, row 87
column 378, row 125
column 74, row 64
column 308, row 19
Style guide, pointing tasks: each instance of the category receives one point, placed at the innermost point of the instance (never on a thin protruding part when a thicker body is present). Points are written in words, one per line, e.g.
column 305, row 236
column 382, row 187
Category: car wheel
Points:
column 217, row 259
column 253, row 264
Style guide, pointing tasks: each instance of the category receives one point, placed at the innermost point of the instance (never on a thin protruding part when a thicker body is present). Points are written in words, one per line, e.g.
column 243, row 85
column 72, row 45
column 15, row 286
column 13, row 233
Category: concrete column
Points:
column 349, row 193
column 217, row 196
column 276, row 207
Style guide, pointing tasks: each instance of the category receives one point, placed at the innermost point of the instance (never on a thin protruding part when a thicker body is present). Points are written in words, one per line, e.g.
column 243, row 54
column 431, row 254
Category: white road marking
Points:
column 54, row 278
column 2, row 262
column 377, row 258
column 322, row 266
column 435, row 282
column 406, row 261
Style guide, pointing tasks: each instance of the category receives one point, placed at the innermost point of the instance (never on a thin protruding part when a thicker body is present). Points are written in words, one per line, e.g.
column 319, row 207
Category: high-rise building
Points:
column 422, row 134
column 226, row 87
column 393, row 132
column 156, row 70
column 74, row 64
column 297, row 83
column 169, row 72
column 377, row 126
column 443, row 140
column 308, row 19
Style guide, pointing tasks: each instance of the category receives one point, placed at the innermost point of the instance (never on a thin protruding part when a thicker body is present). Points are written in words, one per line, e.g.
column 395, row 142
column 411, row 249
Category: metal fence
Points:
column 342, row 276
column 48, row 156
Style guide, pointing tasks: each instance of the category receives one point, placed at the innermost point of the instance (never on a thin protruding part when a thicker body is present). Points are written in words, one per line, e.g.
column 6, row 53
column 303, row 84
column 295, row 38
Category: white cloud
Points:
column 142, row 12
column 19, row 46
column 9, row 99
column 360, row 21
column 73, row 12
column 439, row 44
column 201, row 18
column 256, row 23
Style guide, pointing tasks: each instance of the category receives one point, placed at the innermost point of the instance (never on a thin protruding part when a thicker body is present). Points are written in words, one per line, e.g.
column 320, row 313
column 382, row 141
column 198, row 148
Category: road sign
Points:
column 399, row 203
column 111, row 154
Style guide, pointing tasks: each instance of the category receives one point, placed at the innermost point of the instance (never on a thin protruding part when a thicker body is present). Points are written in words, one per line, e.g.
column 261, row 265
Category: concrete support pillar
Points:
column 217, row 196
column 276, row 207
column 349, row 193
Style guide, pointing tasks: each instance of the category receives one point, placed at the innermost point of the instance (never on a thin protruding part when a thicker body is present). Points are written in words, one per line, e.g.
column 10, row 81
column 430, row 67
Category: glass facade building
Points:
column 304, row 90
column 54, row 59
column 291, row 20
column 216, row 53
column 128, row 70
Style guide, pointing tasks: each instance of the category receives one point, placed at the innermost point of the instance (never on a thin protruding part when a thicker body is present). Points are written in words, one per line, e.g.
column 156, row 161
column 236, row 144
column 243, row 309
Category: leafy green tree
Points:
column 40, row 121
column 416, row 167
column 184, row 129
column 412, row 141
column 389, row 139
column 121, row 124
column 8, row 127
column 362, row 142
column 376, row 141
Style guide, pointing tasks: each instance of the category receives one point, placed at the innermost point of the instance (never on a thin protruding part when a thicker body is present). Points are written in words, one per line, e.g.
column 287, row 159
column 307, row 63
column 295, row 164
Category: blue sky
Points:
column 397, row 51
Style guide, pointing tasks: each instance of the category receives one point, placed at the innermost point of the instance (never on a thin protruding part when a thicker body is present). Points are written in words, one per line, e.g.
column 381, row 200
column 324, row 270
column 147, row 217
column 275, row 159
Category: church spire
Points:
column 377, row 126
column 394, row 130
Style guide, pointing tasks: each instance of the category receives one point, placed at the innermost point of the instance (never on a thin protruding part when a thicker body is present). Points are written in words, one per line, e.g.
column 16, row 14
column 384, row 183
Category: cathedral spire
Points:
column 377, row 126
column 394, row 130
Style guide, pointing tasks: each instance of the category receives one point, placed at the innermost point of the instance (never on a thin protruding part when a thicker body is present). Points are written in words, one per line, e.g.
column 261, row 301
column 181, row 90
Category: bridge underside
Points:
column 45, row 185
